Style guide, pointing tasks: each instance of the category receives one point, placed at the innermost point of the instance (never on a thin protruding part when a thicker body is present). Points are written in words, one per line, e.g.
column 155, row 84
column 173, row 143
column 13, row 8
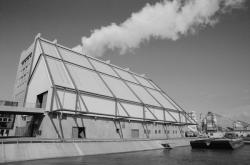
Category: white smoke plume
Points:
column 163, row 20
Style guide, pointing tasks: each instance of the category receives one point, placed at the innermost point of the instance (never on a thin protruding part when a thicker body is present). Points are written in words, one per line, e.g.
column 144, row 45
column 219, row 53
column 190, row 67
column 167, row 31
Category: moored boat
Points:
column 203, row 143
column 246, row 139
column 226, row 143
column 229, row 141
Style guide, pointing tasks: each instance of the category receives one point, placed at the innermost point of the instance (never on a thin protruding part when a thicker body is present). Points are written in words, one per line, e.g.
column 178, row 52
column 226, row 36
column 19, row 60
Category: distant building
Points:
column 6, row 120
column 211, row 122
column 23, row 74
column 84, row 97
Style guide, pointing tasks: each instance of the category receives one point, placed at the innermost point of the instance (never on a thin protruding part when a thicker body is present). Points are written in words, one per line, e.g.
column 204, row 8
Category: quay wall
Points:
column 31, row 151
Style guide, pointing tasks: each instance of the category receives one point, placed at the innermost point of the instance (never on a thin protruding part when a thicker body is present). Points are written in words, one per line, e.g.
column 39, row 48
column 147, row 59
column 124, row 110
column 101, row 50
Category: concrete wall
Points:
column 31, row 151
column 103, row 128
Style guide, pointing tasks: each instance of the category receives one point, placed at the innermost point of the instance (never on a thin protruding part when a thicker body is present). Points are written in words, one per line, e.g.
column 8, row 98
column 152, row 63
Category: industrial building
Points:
column 84, row 97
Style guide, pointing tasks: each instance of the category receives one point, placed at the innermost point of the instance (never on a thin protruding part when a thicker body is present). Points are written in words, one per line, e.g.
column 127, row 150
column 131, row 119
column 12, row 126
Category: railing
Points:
column 19, row 104
column 38, row 140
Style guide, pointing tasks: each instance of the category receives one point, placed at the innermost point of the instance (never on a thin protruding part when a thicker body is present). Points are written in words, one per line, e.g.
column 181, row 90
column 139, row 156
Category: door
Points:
column 41, row 100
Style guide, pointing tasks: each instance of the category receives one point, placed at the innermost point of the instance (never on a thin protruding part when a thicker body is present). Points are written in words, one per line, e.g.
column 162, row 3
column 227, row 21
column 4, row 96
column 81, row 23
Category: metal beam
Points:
column 155, row 99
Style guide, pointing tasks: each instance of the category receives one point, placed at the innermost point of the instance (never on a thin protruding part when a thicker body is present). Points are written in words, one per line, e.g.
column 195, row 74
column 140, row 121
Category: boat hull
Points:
column 200, row 143
column 226, row 144
column 217, row 143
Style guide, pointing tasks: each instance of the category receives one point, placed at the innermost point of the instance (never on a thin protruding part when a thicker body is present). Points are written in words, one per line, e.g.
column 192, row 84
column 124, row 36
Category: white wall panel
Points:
column 102, row 67
column 158, row 113
column 169, row 117
column 39, row 83
column 134, row 110
column 88, row 80
column 80, row 105
column 73, row 57
column 183, row 118
column 176, row 116
column 143, row 81
column 157, row 95
column 59, row 73
column 154, row 85
column 121, row 111
column 119, row 88
column 173, row 103
column 125, row 75
column 49, row 49
column 99, row 105
column 67, row 99
column 56, row 105
column 143, row 94
column 36, row 54
column 149, row 115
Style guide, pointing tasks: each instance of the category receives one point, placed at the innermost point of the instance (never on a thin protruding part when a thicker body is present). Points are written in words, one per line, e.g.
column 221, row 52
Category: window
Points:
column 41, row 100
column 155, row 131
column 78, row 132
column 159, row 131
column 123, row 124
column 135, row 133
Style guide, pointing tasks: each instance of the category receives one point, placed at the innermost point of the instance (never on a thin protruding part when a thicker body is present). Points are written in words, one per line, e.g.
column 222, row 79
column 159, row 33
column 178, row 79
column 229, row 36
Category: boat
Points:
column 226, row 143
column 229, row 141
column 166, row 146
column 246, row 139
column 203, row 143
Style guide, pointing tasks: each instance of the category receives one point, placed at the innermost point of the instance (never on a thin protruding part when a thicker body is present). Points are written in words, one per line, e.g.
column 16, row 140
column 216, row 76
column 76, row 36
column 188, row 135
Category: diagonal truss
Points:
column 114, row 97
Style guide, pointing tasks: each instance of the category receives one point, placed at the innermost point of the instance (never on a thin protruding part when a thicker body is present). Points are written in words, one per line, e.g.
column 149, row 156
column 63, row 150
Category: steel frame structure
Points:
column 118, row 101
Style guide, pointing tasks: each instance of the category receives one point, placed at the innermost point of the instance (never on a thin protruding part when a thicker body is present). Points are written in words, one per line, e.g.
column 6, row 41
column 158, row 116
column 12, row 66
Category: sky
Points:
column 204, row 71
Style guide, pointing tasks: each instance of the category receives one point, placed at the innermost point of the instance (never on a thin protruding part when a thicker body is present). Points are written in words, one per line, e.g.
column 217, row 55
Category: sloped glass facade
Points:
column 86, row 84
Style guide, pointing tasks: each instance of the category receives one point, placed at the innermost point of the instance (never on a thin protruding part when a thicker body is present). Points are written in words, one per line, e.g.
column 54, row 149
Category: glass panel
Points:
column 148, row 114
column 183, row 119
column 121, row 111
column 143, row 94
column 125, row 75
column 99, row 105
column 169, row 117
column 49, row 49
column 59, row 73
column 176, row 107
column 158, row 113
column 154, row 85
column 176, row 116
column 101, row 67
column 56, row 105
column 88, row 80
column 143, row 81
column 73, row 57
column 157, row 95
column 133, row 110
column 119, row 88
column 80, row 105
column 67, row 99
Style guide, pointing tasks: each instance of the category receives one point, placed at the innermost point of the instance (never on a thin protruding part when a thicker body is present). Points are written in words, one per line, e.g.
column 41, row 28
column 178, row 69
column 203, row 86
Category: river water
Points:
column 176, row 156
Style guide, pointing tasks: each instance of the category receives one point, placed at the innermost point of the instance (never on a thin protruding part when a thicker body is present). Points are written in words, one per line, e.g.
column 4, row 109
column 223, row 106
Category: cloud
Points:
column 163, row 20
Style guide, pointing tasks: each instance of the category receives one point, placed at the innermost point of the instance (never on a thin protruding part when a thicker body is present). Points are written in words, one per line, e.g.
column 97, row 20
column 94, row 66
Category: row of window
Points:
column 5, row 119
column 26, row 59
column 159, row 131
